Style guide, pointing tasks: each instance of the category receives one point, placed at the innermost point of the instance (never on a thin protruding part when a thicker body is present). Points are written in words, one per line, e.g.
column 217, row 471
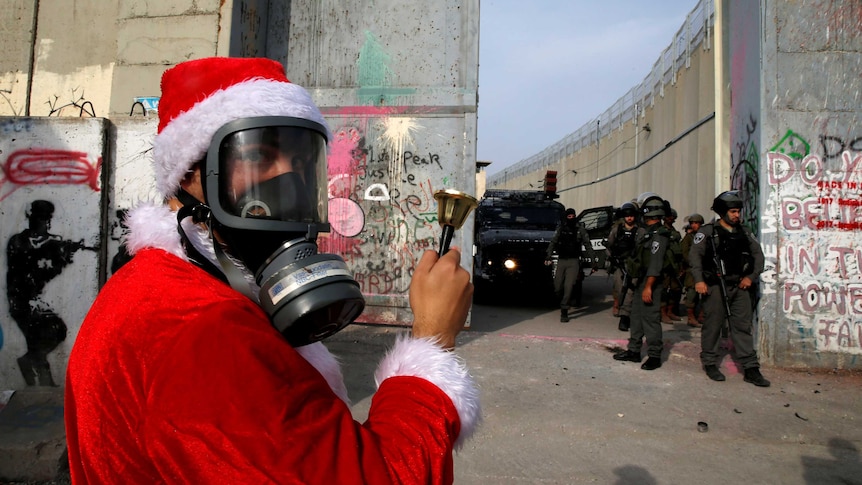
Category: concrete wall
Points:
column 810, row 175
column 51, row 279
column 398, row 84
column 658, row 137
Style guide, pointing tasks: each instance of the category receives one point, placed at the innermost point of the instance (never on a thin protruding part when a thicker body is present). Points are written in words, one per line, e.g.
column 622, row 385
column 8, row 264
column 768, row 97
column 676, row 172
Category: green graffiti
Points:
column 792, row 145
column 753, row 155
column 375, row 76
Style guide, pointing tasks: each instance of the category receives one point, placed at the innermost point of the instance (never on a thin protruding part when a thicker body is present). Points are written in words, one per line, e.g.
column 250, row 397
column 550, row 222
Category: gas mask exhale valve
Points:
column 265, row 183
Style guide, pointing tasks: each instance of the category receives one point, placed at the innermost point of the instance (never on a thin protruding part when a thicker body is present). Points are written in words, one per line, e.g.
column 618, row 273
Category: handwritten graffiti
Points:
column 382, row 210
column 819, row 279
column 37, row 166
column 840, row 335
column 827, row 199
column 745, row 169
column 792, row 145
column 834, row 146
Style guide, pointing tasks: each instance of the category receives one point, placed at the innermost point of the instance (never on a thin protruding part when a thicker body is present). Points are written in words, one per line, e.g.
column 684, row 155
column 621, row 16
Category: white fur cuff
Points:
column 424, row 358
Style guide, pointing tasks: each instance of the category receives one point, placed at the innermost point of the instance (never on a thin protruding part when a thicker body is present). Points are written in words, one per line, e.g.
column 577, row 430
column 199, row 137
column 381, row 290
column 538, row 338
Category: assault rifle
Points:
column 722, row 285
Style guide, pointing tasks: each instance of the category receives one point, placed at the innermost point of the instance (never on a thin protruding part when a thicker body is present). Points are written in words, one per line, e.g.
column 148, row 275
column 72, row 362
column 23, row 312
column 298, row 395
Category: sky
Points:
column 546, row 67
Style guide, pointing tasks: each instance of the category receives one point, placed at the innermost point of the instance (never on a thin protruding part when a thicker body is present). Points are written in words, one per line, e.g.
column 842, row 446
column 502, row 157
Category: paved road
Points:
column 559, row 410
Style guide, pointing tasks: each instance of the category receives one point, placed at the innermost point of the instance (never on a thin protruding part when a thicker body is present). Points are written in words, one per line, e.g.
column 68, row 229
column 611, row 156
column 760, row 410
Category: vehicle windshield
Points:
column 521, row 216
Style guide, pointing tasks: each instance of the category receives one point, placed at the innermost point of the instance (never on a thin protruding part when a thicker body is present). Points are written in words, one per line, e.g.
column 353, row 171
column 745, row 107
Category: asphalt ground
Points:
column 559, row 410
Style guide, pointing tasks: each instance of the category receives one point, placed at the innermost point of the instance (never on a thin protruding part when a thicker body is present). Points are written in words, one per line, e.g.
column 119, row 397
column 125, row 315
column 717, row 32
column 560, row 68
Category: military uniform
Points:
column 620, row 246
column 647, row 267
column 742, row 256
column 672, row 286
column 646, row 317
column 569, row 240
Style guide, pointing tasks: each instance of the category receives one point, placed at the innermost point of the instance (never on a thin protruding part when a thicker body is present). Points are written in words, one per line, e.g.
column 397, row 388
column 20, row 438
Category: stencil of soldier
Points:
column 35, row 257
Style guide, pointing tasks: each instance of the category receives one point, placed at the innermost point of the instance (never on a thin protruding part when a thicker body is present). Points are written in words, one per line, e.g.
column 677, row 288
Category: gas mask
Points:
column 264, row 180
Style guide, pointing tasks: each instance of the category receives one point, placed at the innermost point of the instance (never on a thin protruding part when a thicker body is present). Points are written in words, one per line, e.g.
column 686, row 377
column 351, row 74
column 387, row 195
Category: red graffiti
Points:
column 37, row 166
column 814, row 213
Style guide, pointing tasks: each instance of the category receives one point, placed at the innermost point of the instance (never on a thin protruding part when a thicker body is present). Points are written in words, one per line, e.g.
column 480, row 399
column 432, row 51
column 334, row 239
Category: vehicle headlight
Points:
column 510, row 264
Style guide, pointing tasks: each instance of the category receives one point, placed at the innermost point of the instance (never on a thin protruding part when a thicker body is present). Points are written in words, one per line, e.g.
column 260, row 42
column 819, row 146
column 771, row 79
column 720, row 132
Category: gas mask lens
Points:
column 273, row 173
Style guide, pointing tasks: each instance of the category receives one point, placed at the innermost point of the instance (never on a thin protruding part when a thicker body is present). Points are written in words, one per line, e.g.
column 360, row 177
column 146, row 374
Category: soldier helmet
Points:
column 653, row 206
column 628, row 210
column 644, row 196
column 695, row 218
column 726, row 201
column 41, row 209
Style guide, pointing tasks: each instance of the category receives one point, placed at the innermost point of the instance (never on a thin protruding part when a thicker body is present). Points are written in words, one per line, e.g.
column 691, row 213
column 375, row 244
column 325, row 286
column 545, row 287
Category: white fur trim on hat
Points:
column 424, row 358
column 185, row 140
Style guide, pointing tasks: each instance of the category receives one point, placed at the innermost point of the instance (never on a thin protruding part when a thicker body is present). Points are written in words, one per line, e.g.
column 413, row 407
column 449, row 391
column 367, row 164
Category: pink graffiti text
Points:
column 843, row 334
column 811, row 170
column 814, row 296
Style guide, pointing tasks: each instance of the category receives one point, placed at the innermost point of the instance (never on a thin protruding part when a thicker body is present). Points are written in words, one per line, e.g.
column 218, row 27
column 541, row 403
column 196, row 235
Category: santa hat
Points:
column 201, row 96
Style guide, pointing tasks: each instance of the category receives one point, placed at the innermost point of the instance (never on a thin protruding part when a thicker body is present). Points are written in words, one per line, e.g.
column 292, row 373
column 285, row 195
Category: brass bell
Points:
column 453, row 208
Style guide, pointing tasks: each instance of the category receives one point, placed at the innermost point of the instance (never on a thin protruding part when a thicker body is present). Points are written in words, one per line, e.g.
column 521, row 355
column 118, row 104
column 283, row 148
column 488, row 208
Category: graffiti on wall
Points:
column 382, row 207
column 46, row 166
column 816, row 208
column 745, row 167
column 34, row 257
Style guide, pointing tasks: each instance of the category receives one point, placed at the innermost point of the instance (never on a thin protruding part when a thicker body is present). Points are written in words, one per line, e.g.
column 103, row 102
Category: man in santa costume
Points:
column 200, row 360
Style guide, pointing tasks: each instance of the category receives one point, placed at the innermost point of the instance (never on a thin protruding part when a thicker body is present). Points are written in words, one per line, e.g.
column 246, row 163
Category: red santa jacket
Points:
column 177, row 378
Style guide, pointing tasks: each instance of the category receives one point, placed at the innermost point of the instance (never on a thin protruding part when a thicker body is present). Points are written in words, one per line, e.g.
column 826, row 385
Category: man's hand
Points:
column 440, row 296
column 745, row 283
column 701, row 288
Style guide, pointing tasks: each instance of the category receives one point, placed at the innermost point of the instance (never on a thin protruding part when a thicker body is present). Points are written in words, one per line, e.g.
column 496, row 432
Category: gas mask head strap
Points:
column 200, row 213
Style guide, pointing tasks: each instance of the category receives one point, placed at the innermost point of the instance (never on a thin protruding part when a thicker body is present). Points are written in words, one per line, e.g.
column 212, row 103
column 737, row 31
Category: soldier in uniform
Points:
column 729, row 244
column 690, row 296
column 672, row 284
column 619, row 247
column 647, row 268
column 568, row 242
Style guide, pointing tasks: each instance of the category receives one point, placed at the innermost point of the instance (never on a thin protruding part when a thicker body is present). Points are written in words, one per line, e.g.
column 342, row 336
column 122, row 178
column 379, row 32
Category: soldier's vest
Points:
column 674, row 252
column 639, row 262
column 569, row 244
column 733, row 249
column 624, row 241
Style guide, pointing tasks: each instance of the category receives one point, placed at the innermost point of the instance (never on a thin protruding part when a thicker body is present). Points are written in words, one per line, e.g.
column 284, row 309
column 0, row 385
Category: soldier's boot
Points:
column 754, row 376
column 665, row 318
column 652, row 363
column 616, row 309
column 700, row 317
column 564, row 315
column 713, row 373
column 692, row 320
column 628, row 356
column 671, row 313
column 625, row 323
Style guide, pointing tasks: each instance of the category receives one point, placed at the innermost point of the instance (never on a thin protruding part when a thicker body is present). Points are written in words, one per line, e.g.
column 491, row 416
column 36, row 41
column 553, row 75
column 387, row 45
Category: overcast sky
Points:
column 546, row 67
